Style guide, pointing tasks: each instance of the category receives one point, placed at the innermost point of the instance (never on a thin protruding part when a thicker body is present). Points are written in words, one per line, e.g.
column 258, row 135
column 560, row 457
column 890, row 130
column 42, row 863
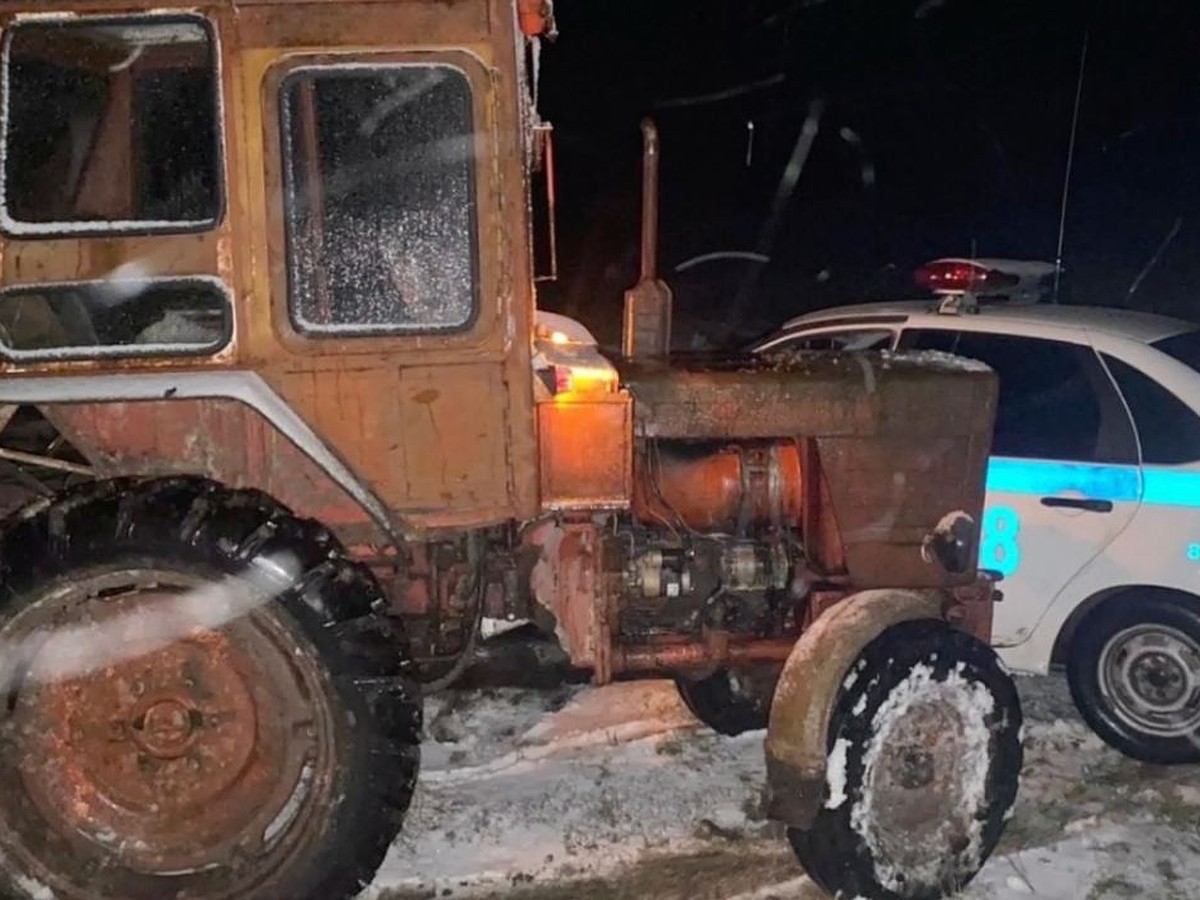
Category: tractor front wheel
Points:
column 924, row 760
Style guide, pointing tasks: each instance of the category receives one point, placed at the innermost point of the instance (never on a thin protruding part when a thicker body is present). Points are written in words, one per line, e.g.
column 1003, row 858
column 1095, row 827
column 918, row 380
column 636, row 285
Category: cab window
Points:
column 111, row 125
column 1056, row 400
column 116, row 317
column 1169, row 432
column 379, row 193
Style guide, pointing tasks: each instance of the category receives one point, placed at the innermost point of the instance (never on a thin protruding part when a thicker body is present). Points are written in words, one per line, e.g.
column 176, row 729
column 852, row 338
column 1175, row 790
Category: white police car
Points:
column 1093, row 491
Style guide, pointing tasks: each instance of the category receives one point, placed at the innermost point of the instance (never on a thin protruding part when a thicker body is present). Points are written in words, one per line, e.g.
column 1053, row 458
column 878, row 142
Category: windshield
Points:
column 1184, row 347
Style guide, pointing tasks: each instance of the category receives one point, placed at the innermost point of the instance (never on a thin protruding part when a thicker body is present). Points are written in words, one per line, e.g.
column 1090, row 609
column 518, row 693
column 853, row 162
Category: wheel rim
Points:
column 925, row 775
column 1150, row 674
column 202, row 760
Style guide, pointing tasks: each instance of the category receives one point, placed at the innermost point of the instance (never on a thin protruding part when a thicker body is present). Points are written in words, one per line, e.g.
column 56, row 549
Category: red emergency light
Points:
column 962, row 276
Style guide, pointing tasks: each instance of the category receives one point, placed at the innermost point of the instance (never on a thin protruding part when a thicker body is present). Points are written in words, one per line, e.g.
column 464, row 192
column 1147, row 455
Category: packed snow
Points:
column 616, row 792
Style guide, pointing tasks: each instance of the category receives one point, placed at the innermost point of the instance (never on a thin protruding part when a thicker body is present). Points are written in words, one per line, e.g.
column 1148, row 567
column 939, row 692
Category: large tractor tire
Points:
column 199, row 701
column 924, row 760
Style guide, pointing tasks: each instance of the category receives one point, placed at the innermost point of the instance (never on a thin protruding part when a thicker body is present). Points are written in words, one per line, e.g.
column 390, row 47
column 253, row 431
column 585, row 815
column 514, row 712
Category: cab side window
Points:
column 380, row 194
column 112, row 126
column 1168, row 430
column 1056, row 400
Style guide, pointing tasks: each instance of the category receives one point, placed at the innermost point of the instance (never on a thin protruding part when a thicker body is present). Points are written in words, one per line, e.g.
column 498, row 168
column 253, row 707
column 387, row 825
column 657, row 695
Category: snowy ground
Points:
column 617, row 793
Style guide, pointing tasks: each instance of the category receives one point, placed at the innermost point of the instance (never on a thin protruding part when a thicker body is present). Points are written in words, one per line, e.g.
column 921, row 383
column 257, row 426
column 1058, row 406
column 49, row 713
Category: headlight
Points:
column 951, row 543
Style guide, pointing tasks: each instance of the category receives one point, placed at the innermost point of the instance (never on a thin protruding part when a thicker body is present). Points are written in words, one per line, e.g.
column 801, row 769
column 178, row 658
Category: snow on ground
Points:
column 616, row 792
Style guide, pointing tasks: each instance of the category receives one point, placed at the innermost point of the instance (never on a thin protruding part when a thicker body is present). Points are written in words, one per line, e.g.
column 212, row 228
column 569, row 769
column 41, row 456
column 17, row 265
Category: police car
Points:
column 1093, row 488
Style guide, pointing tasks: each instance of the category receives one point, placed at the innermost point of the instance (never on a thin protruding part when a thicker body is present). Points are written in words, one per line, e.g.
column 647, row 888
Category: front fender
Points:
column 798, row 732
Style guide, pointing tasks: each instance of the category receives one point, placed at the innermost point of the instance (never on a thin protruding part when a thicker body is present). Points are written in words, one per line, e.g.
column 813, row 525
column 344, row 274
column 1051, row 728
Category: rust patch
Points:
column 568, row 581
column 222, row 439
column 677, row 657
column 174, row 759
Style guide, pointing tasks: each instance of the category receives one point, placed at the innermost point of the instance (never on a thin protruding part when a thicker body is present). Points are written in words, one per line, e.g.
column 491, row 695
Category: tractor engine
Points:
column 712, row 540
column 701, row 515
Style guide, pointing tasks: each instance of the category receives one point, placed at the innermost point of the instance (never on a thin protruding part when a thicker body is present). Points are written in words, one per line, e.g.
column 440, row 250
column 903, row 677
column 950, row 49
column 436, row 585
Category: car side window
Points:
column 1168, row 430
column 850, row 340
column 929, row 339
column 1056, row 400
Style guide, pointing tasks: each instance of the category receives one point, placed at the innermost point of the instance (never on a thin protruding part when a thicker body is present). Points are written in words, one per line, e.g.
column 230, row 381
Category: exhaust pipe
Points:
column 647, row 326
column 649, row 201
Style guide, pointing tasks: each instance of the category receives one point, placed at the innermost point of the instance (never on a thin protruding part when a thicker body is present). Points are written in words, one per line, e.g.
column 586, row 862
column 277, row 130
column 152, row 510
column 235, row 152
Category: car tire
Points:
column 924, row 761
column 1134, row 673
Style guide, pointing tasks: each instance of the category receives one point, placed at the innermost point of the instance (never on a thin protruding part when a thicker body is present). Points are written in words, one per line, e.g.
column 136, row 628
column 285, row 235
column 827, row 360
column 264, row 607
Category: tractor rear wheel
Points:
column 731, row 702
column 924, row 760
column 199, row 701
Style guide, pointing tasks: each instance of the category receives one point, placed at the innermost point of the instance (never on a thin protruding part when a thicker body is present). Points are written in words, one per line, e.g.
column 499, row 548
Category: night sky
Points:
column 943, row 130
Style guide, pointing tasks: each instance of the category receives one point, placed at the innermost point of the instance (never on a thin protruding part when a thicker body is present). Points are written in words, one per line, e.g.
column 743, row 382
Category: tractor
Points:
column 282, row 428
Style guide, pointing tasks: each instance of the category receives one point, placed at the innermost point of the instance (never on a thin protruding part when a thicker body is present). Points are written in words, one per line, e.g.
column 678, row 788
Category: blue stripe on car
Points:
column 1046, row 479
column 1120, row 484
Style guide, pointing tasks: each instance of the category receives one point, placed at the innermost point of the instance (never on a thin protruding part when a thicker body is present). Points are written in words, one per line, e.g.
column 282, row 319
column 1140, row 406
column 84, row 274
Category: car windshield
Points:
column 1184, row 347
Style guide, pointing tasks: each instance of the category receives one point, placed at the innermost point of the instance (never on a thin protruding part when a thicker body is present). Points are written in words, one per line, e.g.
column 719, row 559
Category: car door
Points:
column 1063, row 480
column 1163, row 545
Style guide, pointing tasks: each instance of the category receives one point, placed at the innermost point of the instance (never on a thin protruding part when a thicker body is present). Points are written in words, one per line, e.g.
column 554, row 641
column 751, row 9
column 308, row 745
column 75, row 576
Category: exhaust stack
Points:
column 647, row 328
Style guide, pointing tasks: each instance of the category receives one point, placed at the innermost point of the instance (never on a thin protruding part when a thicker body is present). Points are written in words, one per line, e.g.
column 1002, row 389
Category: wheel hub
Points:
column 1158, row 679
column 923, row 777
column 915, row 768
column 162, row 737
column 166, row 729
column 1151, row 676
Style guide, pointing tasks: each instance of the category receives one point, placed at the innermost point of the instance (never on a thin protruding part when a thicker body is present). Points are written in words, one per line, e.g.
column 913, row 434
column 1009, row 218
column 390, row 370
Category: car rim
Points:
column 210, row 752
column 1150, row 674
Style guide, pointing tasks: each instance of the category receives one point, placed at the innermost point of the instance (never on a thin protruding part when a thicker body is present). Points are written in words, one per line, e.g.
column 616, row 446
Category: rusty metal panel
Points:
column 354, row 411
column 454, row 437
column 464, row 457
column 585, row 452
column 430, row 440
column 287, row 23
column 901, row 441
column 889, row 493
column 851, row 394
column 35, row 261
column 221, row 439
column 571, row 582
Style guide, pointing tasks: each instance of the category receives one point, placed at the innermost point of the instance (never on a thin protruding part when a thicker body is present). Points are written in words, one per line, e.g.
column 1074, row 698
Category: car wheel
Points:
column 1134, row 672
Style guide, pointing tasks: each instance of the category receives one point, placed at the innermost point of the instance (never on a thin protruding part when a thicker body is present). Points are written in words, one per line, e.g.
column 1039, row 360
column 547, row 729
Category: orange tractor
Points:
column 281, row 427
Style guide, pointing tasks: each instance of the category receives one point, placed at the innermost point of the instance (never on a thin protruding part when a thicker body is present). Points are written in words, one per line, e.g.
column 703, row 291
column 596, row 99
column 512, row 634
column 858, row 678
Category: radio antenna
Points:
column 1062, row 213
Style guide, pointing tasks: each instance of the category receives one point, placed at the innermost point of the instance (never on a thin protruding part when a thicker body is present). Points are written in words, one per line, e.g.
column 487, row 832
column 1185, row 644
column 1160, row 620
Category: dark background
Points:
column 944, row 130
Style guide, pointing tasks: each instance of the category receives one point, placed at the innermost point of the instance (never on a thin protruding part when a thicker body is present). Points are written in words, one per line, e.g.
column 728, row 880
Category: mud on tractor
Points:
column 281, row 428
